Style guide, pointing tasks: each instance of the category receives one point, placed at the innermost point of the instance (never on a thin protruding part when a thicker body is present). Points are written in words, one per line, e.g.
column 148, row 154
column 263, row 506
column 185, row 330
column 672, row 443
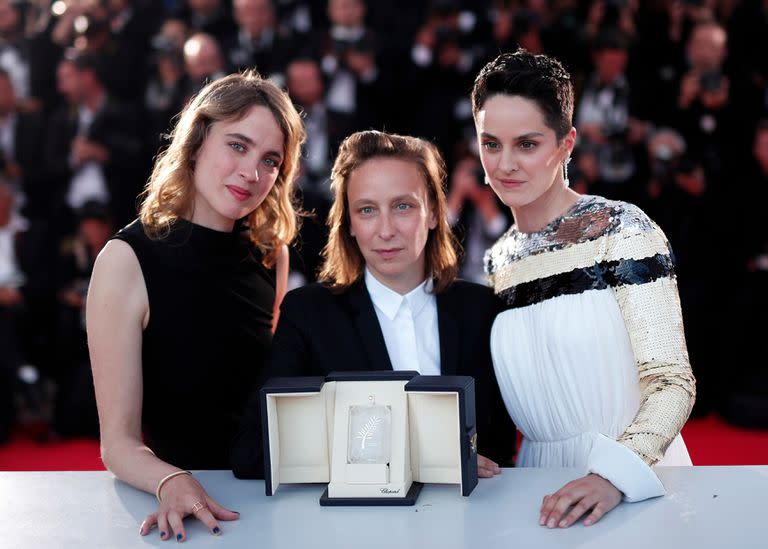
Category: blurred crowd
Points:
column 672, row 115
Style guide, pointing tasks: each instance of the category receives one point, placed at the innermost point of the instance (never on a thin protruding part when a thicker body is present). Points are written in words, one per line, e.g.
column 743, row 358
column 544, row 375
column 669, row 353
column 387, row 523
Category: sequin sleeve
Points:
column 652, row 314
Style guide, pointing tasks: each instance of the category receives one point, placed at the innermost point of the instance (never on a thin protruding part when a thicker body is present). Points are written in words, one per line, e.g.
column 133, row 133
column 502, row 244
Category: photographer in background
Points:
column 75, row 403
column 444, row 60
column 347, row 56
column 706, row 113
column 166, row 89
column 606, row 116
column 307, row 91
column 259, row 43
column 678, row 196
column 93, row 149
column 474, row 215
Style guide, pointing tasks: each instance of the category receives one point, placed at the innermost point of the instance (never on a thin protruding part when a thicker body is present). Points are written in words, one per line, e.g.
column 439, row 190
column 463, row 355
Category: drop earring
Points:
column 565, row 171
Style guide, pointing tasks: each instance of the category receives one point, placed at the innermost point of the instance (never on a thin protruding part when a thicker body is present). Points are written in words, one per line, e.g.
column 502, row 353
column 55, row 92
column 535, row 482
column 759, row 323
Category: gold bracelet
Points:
column 166, row 479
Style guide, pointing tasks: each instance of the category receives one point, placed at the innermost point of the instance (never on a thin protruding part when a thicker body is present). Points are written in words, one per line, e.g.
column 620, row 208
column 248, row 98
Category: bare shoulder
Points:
column 117, row 283
column 117, row 257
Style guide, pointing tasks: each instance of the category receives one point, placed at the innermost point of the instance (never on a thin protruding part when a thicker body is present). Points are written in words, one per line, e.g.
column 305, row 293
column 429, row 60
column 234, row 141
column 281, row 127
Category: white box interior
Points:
column 298, row 436
column 435, row 437
column 308, row 438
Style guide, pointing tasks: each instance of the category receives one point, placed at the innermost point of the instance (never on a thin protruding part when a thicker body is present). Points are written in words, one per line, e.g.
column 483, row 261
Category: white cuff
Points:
column 624, row 469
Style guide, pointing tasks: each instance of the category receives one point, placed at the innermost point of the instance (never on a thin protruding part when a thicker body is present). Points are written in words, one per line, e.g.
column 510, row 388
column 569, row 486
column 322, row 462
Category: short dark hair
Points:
column 540, row 78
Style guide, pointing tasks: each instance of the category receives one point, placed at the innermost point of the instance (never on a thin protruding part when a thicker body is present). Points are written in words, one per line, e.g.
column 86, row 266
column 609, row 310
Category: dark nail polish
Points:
column 163, row 534
column 178, row 537
column 216, row 530
column 236, row 512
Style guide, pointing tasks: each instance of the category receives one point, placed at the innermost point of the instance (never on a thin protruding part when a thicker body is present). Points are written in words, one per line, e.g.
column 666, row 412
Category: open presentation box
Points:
column 374, row 437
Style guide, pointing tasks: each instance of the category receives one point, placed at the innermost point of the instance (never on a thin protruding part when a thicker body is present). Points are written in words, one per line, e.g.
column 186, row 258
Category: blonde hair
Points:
column 170, row 191
column 344, row 262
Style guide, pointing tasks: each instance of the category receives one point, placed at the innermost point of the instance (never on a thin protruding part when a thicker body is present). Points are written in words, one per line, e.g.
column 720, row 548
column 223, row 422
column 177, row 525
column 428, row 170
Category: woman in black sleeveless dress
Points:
column 181, row 304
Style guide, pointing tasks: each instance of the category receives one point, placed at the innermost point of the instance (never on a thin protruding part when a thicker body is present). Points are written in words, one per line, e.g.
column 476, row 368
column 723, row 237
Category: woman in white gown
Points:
column 590, row 353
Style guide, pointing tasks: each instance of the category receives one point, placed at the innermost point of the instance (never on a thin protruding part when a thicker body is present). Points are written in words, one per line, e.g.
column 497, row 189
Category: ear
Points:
column 569, row 142
column 432, row 217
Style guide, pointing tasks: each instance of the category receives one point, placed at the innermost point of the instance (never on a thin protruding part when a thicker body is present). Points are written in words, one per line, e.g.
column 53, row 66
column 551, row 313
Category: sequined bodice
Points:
column 588, row 219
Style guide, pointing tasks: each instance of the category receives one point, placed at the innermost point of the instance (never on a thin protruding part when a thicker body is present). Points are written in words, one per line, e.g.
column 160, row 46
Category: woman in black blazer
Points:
column 388, row 296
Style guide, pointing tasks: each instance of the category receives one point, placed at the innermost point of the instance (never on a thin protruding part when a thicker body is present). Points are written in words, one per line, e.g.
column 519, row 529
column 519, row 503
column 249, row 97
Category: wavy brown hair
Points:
column 170, row 191
column 344, row 262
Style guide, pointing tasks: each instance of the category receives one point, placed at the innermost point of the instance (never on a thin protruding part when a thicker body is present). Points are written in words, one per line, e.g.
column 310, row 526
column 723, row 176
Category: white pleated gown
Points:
column 590, row 353
column 566, row 372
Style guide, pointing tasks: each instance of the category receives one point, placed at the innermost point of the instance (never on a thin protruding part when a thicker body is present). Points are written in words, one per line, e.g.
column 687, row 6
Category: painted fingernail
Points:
column 551, row 523
column 216, row 530
column 178, row 537
column 162, row 535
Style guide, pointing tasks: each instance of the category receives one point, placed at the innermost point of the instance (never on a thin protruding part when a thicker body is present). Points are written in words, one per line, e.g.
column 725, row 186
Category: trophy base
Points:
column 409, row 499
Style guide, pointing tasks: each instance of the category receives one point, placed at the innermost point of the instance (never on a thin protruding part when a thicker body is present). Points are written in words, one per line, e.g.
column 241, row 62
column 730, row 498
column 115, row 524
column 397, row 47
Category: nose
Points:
column 508, row 161
column 249, row 171
column 386, row 226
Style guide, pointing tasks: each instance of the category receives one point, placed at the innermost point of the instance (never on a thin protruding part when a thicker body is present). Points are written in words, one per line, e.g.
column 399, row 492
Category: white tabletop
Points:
column 705, row 507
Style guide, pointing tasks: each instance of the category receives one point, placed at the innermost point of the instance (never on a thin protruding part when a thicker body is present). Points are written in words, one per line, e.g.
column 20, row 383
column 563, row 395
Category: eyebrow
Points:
column 249, row 141
column 522, row 137
column 365, row 201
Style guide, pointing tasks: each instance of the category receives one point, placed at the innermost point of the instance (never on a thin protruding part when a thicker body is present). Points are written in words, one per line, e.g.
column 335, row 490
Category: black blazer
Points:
column 320, row 331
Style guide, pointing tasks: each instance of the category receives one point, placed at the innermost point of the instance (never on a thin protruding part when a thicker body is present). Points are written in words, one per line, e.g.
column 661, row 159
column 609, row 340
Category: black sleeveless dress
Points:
column 209, row 331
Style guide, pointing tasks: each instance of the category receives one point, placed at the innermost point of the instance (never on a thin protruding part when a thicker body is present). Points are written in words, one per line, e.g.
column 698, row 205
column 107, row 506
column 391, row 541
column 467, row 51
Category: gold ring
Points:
column 198, row 506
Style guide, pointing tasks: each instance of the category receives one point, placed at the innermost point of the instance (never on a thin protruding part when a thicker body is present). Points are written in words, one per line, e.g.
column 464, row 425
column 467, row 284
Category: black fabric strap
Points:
column 606, row 274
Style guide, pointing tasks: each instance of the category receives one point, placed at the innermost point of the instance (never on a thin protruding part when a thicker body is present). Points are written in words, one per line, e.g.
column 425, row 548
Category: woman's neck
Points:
column 548, row 207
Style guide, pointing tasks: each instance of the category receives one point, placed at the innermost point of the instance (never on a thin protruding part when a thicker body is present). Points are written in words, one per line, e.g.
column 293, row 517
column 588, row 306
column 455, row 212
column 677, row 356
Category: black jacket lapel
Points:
column 368, row 327
column 448, row 326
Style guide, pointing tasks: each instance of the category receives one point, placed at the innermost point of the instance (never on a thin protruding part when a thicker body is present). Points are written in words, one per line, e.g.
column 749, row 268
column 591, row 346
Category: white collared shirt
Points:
column 409, row 325
column 88, row 180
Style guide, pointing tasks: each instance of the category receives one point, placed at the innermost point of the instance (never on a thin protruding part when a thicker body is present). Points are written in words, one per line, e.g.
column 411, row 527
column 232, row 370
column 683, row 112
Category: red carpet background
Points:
column 710, row 440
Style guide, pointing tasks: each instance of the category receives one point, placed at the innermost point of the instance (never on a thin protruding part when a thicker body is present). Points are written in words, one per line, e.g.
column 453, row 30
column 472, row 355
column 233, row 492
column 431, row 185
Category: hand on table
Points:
column 487, row 468
column 589, row 493
column 183, row 496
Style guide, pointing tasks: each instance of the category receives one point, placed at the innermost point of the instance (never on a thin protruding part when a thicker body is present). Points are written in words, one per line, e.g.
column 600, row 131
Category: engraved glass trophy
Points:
column 370, row 428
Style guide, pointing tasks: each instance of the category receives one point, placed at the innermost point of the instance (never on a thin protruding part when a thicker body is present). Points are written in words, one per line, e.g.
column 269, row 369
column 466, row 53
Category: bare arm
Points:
column 117, row 310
